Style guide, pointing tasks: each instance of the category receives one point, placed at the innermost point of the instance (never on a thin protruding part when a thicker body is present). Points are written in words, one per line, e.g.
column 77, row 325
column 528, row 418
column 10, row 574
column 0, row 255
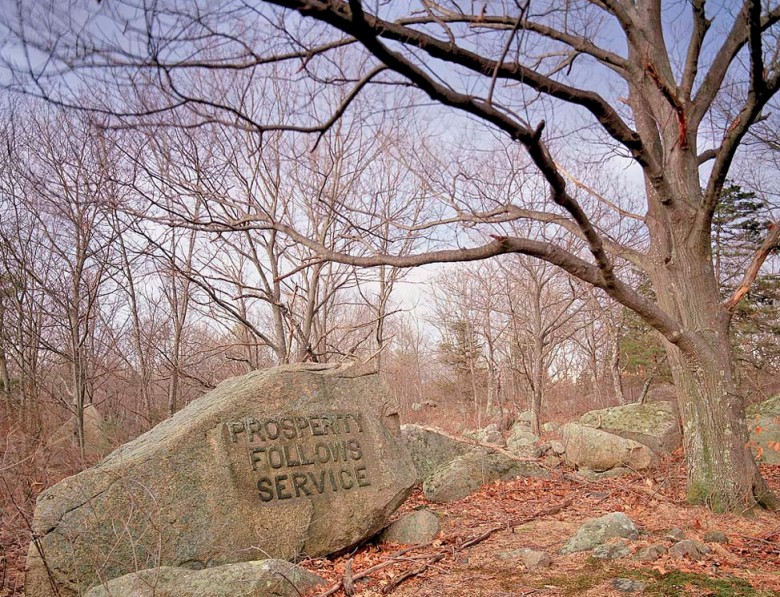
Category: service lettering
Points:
column 303, row 456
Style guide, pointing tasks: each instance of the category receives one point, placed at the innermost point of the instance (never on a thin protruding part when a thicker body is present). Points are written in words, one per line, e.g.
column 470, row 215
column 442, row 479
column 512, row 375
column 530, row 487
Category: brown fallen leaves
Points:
column 542, row 514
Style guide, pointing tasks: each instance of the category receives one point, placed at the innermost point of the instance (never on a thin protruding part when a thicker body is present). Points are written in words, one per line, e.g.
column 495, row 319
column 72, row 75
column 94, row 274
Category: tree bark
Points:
column 722, row 472
column 614, row 365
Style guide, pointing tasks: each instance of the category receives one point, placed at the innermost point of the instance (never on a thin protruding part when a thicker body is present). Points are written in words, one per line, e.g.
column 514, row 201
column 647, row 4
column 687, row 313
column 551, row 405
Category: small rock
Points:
column 651, row 553
column 557, row 447
column 716, row 537
column 530, row 557
column 525, row 418
column 413, row 528
column 692, row 549
column 611, row 551
column 599, row 530
column 675, row 534
column 628, row 585
column 487, row 435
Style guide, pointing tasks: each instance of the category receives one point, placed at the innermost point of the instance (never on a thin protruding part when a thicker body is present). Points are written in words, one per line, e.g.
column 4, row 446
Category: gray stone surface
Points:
column 557, row 447
column 716, row 537
column 488, row 435
column 611, row 551
column 466, row 474
column 764, row 424
column 653, row 424
column 415, row 527
column 599, row 530
column 598, row 450
column 651, row 553
column 266, row 578
column 298, row 460
column 521, row 440
column 430, row 450
column 628, row 585
column 689, row 548
column 675, row 534
column 531, row 558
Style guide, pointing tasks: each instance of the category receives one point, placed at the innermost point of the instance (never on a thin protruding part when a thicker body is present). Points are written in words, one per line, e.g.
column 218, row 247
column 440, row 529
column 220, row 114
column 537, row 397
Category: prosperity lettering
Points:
column 303, row 456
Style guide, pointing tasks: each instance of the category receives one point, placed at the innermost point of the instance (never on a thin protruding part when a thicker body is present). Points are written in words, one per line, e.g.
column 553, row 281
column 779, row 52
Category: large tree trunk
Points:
column 722, row 472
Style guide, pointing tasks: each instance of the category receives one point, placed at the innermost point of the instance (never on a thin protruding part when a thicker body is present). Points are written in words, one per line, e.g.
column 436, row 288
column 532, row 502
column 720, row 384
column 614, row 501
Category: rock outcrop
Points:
column 293, row 461
column 598, row 450
column 653, row 424
column 430, row 449
column 466, row 474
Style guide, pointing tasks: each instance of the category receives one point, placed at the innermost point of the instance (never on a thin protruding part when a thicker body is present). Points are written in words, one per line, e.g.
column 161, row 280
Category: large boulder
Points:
column 653, row 424
column 431, row 449
column 288, row 462
column 265, row 578
column 598, row 450
column 466, row 474
column 764, row 423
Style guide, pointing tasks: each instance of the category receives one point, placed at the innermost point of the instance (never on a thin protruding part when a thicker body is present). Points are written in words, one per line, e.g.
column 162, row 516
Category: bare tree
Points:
column 607, row 62
column 542, row 305
column 64, row 190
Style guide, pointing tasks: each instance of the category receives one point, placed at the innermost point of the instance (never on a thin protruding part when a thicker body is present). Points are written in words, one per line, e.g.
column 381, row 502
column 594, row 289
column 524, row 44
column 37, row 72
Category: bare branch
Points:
column 701, row 25
column 771, row 242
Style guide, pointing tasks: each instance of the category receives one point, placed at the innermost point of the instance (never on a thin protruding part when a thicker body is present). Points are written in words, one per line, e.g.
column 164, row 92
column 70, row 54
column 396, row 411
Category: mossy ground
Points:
column 597, row 573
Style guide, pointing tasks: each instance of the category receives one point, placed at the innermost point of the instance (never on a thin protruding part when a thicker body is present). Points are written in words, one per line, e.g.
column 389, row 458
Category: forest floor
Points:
column 543, row 514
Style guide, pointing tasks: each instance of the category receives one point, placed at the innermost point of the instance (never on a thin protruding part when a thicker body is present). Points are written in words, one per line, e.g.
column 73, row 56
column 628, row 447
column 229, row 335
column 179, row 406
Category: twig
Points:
column 517, row 523
column 391, row 560
column 35, row 539
column 441, row 553
column 414, row 572
column 489, row 447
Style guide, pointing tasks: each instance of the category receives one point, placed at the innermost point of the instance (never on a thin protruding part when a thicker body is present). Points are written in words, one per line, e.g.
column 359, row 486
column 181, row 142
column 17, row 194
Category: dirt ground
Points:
column 543, row 514
column 749, row 564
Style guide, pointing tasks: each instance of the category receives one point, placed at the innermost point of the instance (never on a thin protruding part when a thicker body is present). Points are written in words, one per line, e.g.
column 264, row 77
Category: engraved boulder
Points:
column 284, row 463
